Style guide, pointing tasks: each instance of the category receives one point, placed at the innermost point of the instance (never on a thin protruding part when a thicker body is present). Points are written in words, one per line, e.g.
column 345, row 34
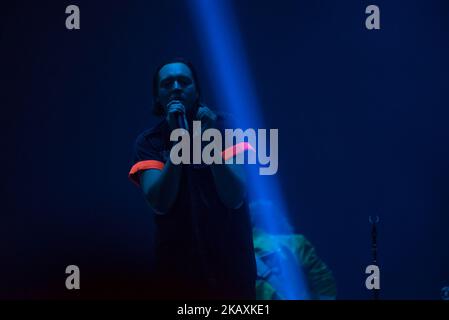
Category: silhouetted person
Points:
column 288, row 266
column 204, row 245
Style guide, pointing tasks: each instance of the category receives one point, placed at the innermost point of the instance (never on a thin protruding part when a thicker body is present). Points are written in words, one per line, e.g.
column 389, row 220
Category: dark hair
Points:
column 158, row 110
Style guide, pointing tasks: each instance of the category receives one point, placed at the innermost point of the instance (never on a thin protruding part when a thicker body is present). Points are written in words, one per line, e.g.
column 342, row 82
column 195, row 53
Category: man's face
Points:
column 176, row 83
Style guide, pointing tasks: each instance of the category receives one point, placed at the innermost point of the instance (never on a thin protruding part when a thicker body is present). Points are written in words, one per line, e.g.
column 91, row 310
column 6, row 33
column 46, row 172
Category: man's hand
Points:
column 176, row 109
column 229, row 178
column 207, row 117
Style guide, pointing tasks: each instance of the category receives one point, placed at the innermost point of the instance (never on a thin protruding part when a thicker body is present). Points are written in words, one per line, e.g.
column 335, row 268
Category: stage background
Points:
column 362, row 118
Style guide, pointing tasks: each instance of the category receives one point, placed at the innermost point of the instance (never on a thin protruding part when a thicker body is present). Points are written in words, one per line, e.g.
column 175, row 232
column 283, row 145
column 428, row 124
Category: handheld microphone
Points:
column 179, row 116
column 180, row 120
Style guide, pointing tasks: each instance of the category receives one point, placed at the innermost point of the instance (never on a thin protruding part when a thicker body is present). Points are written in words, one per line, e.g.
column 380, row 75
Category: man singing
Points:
column 204, row 245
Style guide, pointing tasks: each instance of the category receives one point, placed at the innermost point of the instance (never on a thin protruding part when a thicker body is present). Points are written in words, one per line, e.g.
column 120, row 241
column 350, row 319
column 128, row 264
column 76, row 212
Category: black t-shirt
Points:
column 203, row 249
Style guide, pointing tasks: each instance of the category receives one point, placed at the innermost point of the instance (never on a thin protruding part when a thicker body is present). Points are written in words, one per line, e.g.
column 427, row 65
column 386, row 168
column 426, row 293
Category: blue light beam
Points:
column 220, row 39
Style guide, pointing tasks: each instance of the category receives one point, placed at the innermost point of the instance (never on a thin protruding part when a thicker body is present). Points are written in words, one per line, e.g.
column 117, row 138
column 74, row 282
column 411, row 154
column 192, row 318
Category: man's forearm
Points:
column 230, row 183
column 161, row 188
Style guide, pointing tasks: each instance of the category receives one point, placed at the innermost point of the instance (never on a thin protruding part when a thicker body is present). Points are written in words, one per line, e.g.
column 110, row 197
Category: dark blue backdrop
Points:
column 362, row 118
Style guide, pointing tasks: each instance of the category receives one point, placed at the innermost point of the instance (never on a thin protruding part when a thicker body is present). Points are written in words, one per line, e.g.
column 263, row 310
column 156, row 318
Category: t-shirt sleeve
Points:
column 145, row 157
